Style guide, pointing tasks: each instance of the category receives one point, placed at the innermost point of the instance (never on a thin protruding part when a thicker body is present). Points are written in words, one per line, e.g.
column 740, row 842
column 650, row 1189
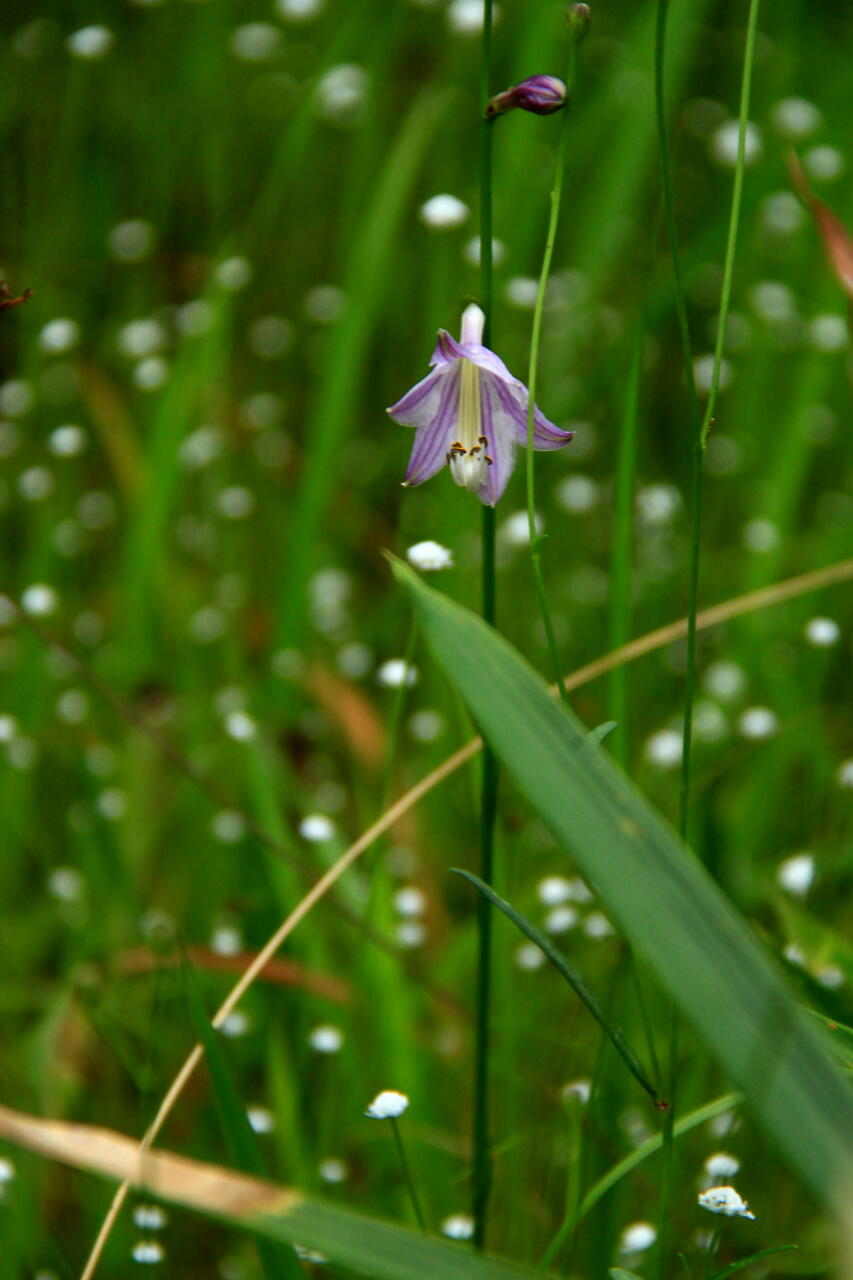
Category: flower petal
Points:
column 501, row 443
column 514, row 402
column 433, row 438
column 419, row 406
column 448, row 349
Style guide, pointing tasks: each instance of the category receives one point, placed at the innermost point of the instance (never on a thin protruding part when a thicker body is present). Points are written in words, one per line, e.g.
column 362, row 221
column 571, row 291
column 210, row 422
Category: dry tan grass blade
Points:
column 835, row 573
column 177, row 1178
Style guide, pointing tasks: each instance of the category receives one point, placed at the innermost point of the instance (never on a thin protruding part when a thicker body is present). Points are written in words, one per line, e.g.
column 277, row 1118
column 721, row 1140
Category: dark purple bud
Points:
column 540, row 94
column 578, row 18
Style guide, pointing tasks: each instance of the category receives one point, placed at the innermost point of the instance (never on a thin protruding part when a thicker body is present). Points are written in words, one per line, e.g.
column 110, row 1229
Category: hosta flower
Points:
column 470, row 413
column 542, row 95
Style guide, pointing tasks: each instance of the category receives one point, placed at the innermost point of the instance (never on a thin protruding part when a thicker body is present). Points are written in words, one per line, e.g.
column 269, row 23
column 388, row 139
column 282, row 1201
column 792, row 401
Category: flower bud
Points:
column 540, row 94
column 578, row 17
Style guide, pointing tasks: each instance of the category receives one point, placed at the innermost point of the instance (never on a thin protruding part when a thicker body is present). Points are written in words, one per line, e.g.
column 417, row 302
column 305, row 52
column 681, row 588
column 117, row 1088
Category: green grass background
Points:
column 224, row 158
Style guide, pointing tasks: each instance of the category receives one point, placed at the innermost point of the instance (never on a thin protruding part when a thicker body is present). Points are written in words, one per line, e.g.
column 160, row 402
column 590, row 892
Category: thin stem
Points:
column 536, row 541
column 734, row 218
column 620, row 561
column 481, row 1139
column 407, row 1174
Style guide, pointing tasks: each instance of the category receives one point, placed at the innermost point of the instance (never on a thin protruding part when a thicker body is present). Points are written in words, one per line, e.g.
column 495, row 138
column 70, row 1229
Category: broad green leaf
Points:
column 701, row 948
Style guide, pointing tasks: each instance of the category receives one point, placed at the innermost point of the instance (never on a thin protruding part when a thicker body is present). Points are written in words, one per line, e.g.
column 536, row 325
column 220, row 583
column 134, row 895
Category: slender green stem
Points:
column 668, row 1125
column 734, row 218
column 396, row 716
column 536, row 541
column 620, row 560
column 481, row 1139
column 407, row 1174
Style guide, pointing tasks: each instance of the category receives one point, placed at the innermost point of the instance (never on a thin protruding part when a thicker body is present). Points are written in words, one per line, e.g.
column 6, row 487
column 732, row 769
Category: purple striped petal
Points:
column 501, row 443
column 514, row 401
column 433, row 438
column 419, row 406
column 448, row 349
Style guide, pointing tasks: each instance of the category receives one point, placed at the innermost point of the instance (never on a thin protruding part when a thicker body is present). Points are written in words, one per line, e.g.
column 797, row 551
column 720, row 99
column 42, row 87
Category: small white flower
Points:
column 528, row 957
column 132, row 240
column 721, row 1165
column 758, row 722
column 235, row 1025
column 426, row 725
column 317, row 828
column 149, row 1217
column 430, row 556
column 552, row 890
column 823, row 632
column 240, row 726
column 796, row 874
column 396, row 672
column 333, row 1170
column 7, row 1170
column 228, row 826
column 410, row 901
column 561, row 919
column 458, row 1226
column 255, row 42
column 796, row 118
column 824, row 164
column 39, row 600
column 657, row 504
column 580, row 1089
column 59, row 336
column 227, row 940
column 326, row 1038
column 578, row 494
column 725, row 1200
column 725, row 142
column 637, row 1237
column 664, row 749
column 387, row 1105
column 703, row 374
column 844, row 774
column 90, row 42
column 410, row 933
column 150, row 1251
column 725, row 680
column 261, row 1119
column 443, row 211
column 831, row 976
column 298, row 10
column 597, row 926
column 234, row 274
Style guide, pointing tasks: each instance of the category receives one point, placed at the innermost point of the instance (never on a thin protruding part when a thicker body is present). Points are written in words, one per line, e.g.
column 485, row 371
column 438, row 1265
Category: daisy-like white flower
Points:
column 387, row 1105
column 470, row 412
column 725, row 1200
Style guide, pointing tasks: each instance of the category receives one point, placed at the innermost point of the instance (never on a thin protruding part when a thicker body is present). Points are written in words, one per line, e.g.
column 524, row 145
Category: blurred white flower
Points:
column 387, row 1105
column 758, row 722
column 396, row 672
column 326, row 1038
column 90, row 43
column 797, row 873
column 725, row 1200
column 333, row 1170
column 637, row 1237
column 443, row 211
column 429, row 557
column 458, row 1226
column 721, row 1165
column 317, row 828
column 725, row 141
